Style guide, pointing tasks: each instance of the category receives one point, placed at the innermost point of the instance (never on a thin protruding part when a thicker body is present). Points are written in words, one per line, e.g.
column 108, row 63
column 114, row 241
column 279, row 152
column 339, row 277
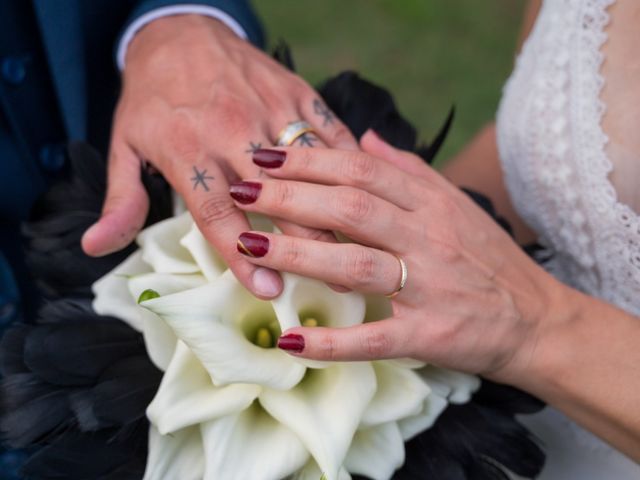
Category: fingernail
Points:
column 291, row 342
column 245, row 192
column 253, row 244
column 266, row 282
column 269, row 158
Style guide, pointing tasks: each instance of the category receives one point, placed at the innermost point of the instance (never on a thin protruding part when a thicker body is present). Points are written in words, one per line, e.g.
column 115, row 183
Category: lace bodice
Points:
column 576, row 185
column 572, row 168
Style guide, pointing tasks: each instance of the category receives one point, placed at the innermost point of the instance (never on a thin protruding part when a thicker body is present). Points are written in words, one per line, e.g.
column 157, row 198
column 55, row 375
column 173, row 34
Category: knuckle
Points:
column 293, row 255
column 340, row 135
column 361, row 267
column 327, row 347
column 359, row 169
column 376, row 344
column 304, row 159
column 354, row 206
column 231, row 113
column 282, row 194
column 216, row 209
column 181, row 136
column 444, row 205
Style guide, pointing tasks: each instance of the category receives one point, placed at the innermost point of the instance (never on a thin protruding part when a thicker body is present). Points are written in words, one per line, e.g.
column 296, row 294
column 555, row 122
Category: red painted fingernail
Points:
column 245, row 192
column 269, row 158
column 253, row 244
column 291, row 342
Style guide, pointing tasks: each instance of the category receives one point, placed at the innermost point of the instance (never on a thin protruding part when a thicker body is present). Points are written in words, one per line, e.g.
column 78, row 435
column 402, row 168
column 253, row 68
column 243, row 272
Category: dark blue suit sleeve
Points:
column 240, row 10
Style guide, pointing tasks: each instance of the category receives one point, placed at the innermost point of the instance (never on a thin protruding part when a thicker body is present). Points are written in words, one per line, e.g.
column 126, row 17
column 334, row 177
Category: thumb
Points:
column 125, row 207
column 375, row 145
column 369, row 341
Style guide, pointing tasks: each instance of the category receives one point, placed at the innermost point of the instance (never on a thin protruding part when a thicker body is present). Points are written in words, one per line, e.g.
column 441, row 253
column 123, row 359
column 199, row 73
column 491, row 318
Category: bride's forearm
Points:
column 587, row 364
column 477, row 167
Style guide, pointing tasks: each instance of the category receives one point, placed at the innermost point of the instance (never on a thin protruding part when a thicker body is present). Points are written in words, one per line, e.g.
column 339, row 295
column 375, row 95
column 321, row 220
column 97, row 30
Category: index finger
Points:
column 341, row 167
column 204, row 189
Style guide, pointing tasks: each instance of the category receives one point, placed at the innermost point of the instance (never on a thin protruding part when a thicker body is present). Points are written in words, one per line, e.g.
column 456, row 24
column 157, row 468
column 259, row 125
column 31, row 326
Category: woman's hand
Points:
column 196, row 100
column 473, row 300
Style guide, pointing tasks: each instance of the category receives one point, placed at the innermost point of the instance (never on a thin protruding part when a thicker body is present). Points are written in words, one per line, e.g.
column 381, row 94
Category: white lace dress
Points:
column 572, row 168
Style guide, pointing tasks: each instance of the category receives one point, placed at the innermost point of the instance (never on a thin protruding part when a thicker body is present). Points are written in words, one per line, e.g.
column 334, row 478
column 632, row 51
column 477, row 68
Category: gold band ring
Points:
column 403, row 277
column 292, row 132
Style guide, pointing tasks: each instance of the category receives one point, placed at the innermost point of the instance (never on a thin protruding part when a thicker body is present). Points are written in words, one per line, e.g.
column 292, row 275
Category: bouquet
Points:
column 172, row 374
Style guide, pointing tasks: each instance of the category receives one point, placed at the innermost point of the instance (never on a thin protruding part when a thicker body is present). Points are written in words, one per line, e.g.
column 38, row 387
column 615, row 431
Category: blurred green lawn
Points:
column 429, row 53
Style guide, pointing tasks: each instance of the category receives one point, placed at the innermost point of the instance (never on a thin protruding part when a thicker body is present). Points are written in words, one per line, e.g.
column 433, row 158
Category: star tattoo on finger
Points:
column 321, row 109
column 307, row 139
column 253, row 147
column 200, row 178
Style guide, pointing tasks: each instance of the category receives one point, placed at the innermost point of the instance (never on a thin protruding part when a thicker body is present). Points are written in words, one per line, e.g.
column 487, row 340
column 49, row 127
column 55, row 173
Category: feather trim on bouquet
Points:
column 76, row 385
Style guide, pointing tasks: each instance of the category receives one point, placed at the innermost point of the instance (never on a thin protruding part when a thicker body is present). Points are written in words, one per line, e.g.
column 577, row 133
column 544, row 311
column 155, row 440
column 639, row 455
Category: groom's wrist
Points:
column 171, row 12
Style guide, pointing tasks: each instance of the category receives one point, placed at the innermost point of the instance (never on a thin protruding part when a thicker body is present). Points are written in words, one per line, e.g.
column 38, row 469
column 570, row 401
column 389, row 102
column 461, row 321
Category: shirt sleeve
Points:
column 182, row 9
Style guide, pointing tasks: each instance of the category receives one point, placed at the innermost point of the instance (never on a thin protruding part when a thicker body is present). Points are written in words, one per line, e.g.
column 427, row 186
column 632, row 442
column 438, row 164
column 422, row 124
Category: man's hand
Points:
column 196, row 102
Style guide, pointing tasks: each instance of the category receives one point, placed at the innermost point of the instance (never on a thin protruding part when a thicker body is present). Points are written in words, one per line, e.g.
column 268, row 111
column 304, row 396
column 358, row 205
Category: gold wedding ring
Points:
column 292, row 132
column 403, row 277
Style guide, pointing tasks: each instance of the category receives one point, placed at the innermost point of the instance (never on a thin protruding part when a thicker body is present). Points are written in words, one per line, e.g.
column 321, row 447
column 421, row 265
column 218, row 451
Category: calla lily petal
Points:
column 206, row 319
column 306, row 297
column 249, row 445
column 112, row 297
column 302, row 295
column 311, row 471
column 325, row 409
column 432, row 407
column 400, row 393
column 179, row 455
column 187, row 397
column 376, row 452
column 161, row 246
column 210, row 263
column 460, row 385
column 158, row 337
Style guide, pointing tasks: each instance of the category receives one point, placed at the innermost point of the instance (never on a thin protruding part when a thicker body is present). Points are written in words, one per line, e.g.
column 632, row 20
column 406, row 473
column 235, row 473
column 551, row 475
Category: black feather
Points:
column 74, row 354
column 63, row 214
column 12, row 351
column 76, row 456
column 31, row 409
column 120, row 396
column 362, row 105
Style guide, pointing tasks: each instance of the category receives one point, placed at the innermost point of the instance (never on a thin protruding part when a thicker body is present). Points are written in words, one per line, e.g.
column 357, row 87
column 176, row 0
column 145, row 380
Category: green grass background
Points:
column 429, row 53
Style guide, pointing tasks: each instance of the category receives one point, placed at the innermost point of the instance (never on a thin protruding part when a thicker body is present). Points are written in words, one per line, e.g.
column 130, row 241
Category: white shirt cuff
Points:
column 149, row 17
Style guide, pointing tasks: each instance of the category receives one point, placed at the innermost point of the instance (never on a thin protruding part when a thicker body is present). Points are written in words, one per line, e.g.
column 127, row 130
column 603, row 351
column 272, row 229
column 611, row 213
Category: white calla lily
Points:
column 210, row 263
column 112, row 295
column 376, row 452
column 176, row 456
column 187, row 396
column 311, row 410
column 400, row 393
column 161, row 247
column 251, row 445
column 214, row 321
column 231, row 405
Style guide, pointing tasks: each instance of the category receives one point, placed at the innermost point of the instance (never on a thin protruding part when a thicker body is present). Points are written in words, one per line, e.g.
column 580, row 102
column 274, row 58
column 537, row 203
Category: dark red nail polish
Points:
column 253, row 244
column 269, row 158
column 245, row 192
column 291, row 342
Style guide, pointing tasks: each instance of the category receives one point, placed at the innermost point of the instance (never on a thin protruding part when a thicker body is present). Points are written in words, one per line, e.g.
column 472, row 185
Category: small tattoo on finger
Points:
column 200, row 178
column 322, row 110
column 253, row 147
column 307, row 139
